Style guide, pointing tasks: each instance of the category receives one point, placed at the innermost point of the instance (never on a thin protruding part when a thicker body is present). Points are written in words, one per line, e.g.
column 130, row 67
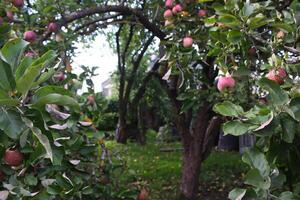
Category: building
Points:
column 107, row 88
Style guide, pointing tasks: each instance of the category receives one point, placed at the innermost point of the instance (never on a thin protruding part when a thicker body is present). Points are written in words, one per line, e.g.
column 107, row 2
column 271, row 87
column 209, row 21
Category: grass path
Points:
column 146, row 166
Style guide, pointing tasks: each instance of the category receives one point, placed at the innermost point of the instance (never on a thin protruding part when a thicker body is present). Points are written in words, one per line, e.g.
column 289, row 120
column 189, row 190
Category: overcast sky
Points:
column 98, row 54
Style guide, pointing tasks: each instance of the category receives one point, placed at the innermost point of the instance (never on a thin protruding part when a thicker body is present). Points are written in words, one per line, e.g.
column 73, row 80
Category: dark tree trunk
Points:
column 193, row 138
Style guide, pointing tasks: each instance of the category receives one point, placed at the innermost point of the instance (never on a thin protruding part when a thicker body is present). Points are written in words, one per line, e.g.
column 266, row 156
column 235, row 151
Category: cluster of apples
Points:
column 172, row 10
column 30, row 35
column 13, row 158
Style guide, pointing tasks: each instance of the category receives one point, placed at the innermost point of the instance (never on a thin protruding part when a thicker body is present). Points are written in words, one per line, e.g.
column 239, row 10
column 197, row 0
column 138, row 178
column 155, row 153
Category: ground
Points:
column 146, row 166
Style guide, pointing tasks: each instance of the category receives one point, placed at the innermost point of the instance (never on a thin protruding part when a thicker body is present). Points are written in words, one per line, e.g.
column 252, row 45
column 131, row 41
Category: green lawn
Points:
column 146, row 166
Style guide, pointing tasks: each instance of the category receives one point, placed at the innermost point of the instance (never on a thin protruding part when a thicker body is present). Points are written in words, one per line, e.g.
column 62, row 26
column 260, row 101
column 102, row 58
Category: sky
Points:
column 98, row 54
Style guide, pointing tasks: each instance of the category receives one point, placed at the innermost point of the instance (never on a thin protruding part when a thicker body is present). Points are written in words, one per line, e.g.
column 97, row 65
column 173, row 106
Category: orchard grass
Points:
column 147, row 166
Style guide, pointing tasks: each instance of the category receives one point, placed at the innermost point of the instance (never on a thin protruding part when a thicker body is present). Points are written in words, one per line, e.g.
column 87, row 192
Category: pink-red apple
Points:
column 60, row 76
column 90, row 100
column 281, row 72
column 10, row 16
column 187, row 42
column 201, row 13
column 18, row 3
column 13, row 157
column 168, row 14
column 176, row 9
column 274, row 77
column 53, row 27
column 225, row 82
column 1, row 21
column 30, row 36
column 169, row 3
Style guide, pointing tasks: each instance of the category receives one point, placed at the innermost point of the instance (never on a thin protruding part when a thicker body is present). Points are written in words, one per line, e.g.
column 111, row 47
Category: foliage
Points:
column 248, row 40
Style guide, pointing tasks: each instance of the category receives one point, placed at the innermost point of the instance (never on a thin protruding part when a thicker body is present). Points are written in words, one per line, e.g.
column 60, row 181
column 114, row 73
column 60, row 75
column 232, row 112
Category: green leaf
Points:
column 248, row 9
column 258, row 21
column 12, row 51
column 229, row 20
column 58, row 99
column 237, row 194
column 50, row 89
column 9, row 102
column 25, row 83
column 257, row 160
column 229, row 109
column 295, row 107
column 276, row 95
column 288, row 28
column 44, row 141
column 11, row 123
column 286, row 196
column 236, row 128
column 255, row 179
column 25, row 63
column 44, row 77
column 7, row 81
column 31, row 180
column 289, row 127
column 234, row 36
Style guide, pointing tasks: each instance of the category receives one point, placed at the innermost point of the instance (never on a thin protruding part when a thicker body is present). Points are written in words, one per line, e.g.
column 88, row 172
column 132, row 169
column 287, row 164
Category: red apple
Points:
column 60, row 76
column 10, row 16
column 53, row 27
column 18, row 3
column 168, row 14
column 13, row 157
column 187, row 42
column 252, row 51
column 143, row 195
column 169, row 3
column 30, row 36
column 225, row 82
column 30, row 54
column 1, row 21
column 201, row 13
column 274, row 77
column 176, row 9
column 281, row 72
column 90, row 100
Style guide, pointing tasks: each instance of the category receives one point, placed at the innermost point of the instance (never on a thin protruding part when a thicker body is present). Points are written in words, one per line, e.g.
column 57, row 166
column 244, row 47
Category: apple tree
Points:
column 236, row 62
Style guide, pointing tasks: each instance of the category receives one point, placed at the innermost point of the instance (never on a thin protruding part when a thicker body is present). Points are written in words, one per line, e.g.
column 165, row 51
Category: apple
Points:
column 176, row 9
column 274, row 77
column 169, row 3
column 53, row 27
column 252, row 51
column 13, row 157
column 1, row 21
column 187, row 42
column 18, row 3
column 281, row 72
column 168, row 14
column 30, row 54
column 30, row 36
column 10, row 16
column 201, row 13
column 280, row 35
column 143, row 195
column 60, row 76
column 225, row 82
column 90, row 100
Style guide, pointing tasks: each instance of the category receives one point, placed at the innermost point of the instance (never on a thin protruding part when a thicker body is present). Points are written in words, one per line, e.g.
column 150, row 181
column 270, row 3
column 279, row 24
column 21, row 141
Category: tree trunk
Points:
column 190, row 172
column 193, row 138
